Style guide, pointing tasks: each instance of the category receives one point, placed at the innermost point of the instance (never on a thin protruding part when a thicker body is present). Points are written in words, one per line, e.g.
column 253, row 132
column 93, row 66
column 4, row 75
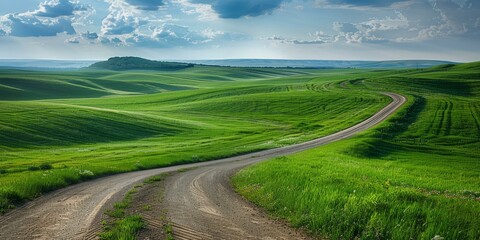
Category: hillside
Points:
column 136, row 63
column 413, row 177
column 18, row 84
column 320, row 64
column 109, row 122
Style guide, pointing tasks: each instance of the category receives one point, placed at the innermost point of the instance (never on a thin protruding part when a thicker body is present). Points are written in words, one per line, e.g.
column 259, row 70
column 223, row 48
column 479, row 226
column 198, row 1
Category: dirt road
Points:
column 200, row 202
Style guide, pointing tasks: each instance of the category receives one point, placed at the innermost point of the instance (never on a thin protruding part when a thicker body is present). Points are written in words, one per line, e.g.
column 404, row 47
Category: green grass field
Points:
column 415, row 176
column 115, row 122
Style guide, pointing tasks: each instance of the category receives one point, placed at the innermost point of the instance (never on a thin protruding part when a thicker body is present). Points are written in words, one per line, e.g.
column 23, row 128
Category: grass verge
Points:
column 125, row 220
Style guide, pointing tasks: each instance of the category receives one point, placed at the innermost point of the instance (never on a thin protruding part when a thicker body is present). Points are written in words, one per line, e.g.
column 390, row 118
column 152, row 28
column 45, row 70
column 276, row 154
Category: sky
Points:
column 227, row 29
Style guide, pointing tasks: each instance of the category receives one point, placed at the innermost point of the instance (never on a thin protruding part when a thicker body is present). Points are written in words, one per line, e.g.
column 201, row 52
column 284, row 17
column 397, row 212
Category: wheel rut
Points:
column 185, row 233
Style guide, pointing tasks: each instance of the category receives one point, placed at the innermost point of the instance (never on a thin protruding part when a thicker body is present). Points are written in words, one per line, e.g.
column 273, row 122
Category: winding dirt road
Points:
column 200, row 202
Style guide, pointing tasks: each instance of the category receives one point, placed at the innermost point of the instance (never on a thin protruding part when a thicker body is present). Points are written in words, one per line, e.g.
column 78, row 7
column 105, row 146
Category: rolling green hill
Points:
column 32, row 85
column 152, row 119
column 415, row 176
column 136, row 63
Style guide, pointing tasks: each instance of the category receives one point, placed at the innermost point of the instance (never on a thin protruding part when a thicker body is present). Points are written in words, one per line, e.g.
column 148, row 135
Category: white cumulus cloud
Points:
column 58, row 8
column 50, row 19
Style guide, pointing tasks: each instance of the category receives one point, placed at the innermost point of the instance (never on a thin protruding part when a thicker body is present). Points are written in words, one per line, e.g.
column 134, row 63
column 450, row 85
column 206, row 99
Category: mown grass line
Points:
column 432, row 122
column 475, row 117
column 448, row 119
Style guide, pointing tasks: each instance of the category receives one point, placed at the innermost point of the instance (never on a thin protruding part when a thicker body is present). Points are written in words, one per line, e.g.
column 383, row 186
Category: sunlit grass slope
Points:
column 32, row 85
column 206, row 113
column 416, row 176
column 36, row 124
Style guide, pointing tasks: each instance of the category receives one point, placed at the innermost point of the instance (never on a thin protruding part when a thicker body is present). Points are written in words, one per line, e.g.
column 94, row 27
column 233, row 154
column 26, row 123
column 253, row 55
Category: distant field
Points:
column 414, row 177
column 58, row 128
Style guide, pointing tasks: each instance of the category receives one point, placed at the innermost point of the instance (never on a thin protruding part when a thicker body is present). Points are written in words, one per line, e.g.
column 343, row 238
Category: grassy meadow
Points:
column 60, row 128
column 415, row 176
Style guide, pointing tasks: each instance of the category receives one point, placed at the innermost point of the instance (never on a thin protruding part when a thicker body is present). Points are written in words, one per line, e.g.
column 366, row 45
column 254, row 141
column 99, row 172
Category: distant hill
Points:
column 469, row 66
column 44, row 64
column 284, row 63
column 401, row 64
column 136, row 63
column 472, row 66
column 112, row 64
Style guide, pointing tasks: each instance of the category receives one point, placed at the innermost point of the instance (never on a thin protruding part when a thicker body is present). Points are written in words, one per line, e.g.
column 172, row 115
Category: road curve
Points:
column 200, row 202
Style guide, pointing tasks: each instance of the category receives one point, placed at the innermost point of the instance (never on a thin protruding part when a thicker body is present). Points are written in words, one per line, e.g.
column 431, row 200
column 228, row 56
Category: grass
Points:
column 415, row 176
column 169, row 231
column 122, row 226
column 124, row 222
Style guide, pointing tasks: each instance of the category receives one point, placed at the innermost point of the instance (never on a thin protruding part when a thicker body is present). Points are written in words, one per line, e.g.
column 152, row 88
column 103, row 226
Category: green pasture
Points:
column 48, row 141
column 415, row 176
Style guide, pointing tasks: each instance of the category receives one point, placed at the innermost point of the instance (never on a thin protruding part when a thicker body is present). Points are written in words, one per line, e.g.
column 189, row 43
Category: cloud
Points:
column 147, row 5
column 169, row 36
column 307, row 42
column 90, row 35
column 241, row 8
column 358, row 3
column 21, row 25
column 74, row 40
column 58, row 8
column 276, row 38
column 165, row 36
column 414, row 20
column 315, row 39
column 440, row 18
column 50, row 19
column 120, row 21
column 126, row 26
column 211, row 33
column 344, row 27
column 175, row 35
column 111, row 40
column 375, row 30
column 204, row 11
